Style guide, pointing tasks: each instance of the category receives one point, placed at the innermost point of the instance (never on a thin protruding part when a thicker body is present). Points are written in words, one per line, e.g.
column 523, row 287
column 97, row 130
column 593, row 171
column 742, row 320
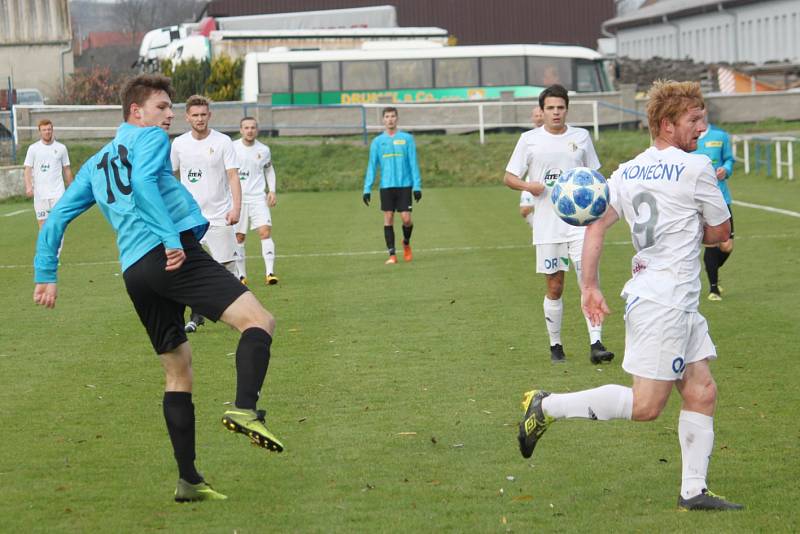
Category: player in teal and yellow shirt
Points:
column 395, row 154
column 716, row 144
column 158, row 226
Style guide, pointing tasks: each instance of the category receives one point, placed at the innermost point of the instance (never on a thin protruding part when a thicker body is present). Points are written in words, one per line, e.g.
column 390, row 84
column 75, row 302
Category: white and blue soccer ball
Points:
column 580, row 196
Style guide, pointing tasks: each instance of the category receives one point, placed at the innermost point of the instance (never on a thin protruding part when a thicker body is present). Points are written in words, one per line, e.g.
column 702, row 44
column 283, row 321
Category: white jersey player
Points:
column 205, row 162
column 526, row 199
column 257, row 177
column 671, row 201
column 47, row 170
column 543, row 154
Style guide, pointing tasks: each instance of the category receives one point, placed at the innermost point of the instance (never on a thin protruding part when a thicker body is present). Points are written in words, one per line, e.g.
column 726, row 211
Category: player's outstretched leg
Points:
column 534, row 423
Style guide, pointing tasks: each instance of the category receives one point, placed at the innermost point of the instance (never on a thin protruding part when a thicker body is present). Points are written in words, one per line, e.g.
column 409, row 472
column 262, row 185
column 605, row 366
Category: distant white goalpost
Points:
column 70, row 112
column 487, row 115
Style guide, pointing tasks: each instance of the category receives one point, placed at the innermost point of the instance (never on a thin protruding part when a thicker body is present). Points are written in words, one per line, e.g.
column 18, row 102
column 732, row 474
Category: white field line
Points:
column 18, row 212
column 381, row 252
column 767, row 208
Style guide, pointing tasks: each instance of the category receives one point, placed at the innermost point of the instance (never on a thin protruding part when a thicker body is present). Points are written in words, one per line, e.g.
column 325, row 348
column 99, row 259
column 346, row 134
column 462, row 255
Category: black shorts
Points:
column 160, row 297
column 396, row 199
column 731, row 212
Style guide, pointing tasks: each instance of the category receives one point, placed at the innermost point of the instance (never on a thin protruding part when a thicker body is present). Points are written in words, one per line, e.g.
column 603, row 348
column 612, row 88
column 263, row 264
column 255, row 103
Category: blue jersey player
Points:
column 395, row 154
column 158, row 225
column 716, row 144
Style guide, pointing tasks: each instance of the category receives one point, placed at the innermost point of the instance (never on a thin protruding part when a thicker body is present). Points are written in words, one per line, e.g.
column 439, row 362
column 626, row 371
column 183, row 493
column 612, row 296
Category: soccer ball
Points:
column 580, row 196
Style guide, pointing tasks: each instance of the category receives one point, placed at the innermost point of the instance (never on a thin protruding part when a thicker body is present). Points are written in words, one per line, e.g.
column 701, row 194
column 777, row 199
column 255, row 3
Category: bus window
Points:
column 410, row 73
column 273, row 78
column 497, row 71
column 330, row 76
column 545, row 71
column 457, row 72
column 588, row 77
column 363, row 75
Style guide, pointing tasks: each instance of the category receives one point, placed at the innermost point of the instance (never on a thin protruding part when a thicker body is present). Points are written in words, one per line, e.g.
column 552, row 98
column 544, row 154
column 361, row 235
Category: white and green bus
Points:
column 419, row 72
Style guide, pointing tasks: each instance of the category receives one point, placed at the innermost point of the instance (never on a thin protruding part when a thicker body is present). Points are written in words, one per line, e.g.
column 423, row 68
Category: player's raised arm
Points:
column 77, row 199
column 592, row 300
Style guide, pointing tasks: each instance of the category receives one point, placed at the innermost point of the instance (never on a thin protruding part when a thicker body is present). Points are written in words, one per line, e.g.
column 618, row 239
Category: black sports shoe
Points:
column 534, row 423
column 707, row 501
column 599, row 354
column 195, row 321
column 557, row 354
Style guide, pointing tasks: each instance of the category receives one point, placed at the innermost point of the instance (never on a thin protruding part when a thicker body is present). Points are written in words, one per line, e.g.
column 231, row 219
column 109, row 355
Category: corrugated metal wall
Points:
column 34, row 22
column 470, row 21
column 765, row 31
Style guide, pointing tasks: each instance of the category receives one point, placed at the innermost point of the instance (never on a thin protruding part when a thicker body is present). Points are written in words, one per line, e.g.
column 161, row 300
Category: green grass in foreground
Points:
column 395, row 389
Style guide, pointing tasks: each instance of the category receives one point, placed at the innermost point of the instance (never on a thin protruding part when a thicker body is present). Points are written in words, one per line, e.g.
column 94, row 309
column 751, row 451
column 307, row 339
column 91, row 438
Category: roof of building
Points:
column 668, row 10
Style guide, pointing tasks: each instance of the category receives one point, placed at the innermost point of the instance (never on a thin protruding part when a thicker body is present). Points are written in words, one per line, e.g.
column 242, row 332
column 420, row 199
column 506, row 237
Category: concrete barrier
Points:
column 12, row 183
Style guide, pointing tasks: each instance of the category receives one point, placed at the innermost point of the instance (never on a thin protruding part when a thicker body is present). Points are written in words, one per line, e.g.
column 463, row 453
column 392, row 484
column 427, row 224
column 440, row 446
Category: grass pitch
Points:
column 395, row 389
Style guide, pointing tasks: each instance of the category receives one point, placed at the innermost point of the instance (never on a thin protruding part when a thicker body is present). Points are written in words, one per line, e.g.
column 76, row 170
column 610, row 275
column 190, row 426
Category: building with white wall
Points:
column 710, row 31
column 35, row 44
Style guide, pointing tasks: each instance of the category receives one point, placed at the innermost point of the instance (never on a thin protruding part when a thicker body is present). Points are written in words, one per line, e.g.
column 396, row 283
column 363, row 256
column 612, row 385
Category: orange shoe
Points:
column 407, row 256
column 391, row 261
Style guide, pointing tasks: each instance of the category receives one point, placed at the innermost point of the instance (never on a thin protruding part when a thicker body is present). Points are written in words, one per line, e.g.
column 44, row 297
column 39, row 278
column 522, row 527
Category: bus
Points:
column 419, row 71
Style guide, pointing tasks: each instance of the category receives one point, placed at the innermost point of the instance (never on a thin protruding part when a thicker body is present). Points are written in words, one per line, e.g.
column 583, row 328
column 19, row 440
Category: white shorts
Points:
column 253, row 215
column 221, row 243
column 43, row 206
column 526, row 199
column 554, row 257
column 660, row 341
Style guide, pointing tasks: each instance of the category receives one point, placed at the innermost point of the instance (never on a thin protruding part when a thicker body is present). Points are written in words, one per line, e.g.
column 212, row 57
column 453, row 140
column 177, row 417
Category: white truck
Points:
column 200, row 40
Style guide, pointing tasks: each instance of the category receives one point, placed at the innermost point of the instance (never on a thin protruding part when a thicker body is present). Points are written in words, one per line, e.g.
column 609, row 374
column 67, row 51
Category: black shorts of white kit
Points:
column 396, row 199
column 160, row 297
column 731, row 212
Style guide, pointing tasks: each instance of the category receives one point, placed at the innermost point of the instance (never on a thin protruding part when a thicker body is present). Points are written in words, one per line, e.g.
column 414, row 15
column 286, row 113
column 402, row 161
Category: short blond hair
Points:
column 197, row 100
column 668, row 99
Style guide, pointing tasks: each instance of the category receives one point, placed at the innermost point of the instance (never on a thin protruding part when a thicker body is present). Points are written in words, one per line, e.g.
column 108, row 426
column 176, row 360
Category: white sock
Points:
column 696, row 434
column 606, row 402
column 553, row 310
column 241, row 261
column 268, row 251
column 529, row 219
column 595, row 332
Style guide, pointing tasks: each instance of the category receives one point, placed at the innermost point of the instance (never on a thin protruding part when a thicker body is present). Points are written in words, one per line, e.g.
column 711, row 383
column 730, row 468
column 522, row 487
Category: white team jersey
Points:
column 666, row 196
column 203, row 165
column 254, row 162
column 47, row 162
column 544, row 157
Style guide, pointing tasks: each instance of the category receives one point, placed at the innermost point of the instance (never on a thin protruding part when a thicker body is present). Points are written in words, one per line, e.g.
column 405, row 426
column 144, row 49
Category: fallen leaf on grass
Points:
column 523, row 498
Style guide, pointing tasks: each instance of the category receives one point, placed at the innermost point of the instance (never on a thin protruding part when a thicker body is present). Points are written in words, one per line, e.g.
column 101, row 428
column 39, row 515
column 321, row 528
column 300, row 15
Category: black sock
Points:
column 723, row 257
column 407, row 233
column 388, row 234
column 711, row 260
column 179, row 415
column 252, row 361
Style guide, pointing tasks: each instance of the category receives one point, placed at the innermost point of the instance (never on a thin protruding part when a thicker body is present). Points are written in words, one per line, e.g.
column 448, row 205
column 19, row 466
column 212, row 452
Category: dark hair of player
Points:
column 389, row 109
column 555, row 91
column 139, row 88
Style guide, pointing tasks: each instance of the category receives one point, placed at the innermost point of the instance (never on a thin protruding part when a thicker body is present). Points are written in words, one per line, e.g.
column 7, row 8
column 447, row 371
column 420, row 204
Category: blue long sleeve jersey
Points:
column 716, row 144
column 131, row 180
column 396, row 156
